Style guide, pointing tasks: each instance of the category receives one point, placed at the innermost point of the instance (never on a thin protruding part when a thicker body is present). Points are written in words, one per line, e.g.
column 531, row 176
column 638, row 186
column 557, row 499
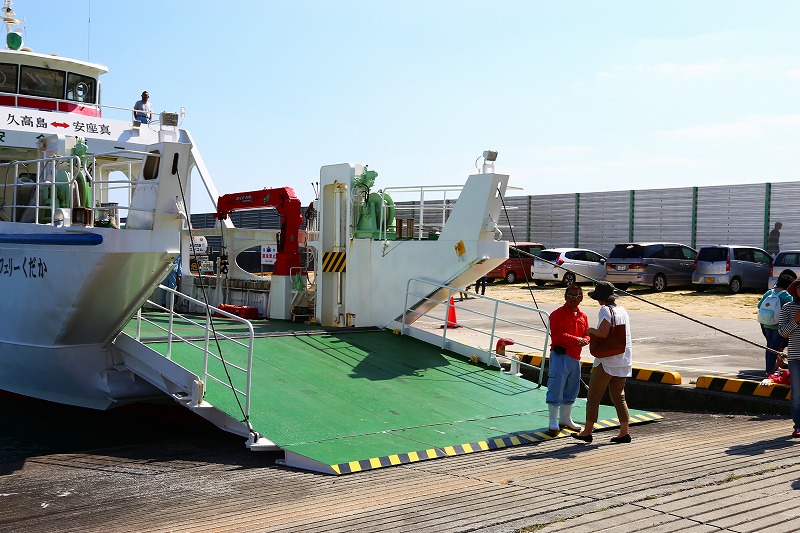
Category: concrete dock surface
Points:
column 687, row 472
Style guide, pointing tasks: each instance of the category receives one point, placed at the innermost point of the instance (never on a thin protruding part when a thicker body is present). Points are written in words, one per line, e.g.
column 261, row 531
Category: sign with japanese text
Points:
column 269, row 254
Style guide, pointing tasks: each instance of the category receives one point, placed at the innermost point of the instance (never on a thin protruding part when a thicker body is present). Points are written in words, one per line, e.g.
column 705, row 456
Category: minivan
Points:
column 655, row 264
column 735, row 267
column 518, row 265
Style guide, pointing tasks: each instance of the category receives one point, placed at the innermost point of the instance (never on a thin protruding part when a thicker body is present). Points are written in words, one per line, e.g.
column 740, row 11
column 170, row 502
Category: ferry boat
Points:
column 94, row 210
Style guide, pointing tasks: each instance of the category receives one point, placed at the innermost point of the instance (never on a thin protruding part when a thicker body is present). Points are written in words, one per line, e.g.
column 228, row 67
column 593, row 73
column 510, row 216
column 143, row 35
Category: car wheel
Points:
column 568, row 279
column 540, row 282
column 699, row 288
column 659, row 283
column 511, row 277
column 735, row 286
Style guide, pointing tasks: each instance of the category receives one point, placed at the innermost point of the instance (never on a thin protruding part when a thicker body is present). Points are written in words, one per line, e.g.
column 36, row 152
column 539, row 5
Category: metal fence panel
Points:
column 663, row 215
column 553, row 220
column 604, row 220
column 785, row 208
column 515, row 220
column 731, row 214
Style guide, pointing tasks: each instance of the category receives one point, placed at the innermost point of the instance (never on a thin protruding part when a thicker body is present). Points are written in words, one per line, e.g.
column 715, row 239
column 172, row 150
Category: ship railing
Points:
column 36, row 194
column 74, row 107
column 427, row 206
column 36, row 190
column 203, row 341
column 487, row 326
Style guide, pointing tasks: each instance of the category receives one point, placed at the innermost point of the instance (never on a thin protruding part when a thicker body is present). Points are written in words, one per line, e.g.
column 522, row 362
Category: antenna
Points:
column 89, row 35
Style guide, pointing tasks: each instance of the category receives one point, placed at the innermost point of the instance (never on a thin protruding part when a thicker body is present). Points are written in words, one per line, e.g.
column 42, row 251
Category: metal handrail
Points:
column 208, row 330
column 421, row 190
column 432, row 288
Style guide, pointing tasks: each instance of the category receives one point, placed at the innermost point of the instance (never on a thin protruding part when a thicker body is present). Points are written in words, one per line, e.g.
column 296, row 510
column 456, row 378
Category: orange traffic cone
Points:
column 451, row 315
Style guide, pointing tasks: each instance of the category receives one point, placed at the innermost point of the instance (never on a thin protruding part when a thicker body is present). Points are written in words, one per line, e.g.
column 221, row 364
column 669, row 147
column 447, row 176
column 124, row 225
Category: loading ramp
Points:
column 339, row 401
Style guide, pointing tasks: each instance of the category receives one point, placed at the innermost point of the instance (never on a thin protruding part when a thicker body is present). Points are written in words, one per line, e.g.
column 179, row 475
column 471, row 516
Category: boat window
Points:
column 8, row 78
column 44, row 82
column 150, row 169
column 81, row 88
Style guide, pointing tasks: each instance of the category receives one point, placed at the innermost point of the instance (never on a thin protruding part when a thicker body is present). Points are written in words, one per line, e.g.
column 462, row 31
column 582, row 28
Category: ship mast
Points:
column 13, row 35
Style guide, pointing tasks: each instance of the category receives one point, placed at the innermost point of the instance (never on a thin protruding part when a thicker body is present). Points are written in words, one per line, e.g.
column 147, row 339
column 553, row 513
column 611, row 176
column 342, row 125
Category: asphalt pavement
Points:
column 661, row 340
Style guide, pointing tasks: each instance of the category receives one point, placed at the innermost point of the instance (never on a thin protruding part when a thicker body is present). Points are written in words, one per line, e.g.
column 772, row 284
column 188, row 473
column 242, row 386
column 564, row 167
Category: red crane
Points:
column 288, row 206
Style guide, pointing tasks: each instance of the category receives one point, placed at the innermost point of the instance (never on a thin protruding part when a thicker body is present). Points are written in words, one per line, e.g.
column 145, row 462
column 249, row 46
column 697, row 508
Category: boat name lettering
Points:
column 30, row 267
column 41, row 123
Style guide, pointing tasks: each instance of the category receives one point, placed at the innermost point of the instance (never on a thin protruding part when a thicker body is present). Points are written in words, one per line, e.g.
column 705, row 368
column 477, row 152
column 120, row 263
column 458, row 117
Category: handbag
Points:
column 614, row 344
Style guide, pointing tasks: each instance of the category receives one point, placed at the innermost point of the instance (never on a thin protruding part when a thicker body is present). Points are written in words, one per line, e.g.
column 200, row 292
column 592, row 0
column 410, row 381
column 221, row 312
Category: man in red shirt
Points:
column 568, row 326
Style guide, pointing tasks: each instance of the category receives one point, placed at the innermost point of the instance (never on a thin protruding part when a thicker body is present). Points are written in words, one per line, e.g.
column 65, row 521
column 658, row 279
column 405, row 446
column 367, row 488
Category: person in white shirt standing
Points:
column 609, row 372
column 143, row 110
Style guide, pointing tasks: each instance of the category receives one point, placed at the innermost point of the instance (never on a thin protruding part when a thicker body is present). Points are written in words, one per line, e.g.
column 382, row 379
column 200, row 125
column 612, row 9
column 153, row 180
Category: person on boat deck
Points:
column 143, row 109
column 568, row 326
column 172, row 280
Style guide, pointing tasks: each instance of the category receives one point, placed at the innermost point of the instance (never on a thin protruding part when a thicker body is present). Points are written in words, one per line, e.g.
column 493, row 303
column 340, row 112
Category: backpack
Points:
column 769, row 309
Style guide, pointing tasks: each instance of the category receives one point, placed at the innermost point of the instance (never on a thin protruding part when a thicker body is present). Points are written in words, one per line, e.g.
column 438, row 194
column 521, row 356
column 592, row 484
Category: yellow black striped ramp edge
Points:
column 334, row 262
column 641, row 374
column 743, row 386
column 497, row 443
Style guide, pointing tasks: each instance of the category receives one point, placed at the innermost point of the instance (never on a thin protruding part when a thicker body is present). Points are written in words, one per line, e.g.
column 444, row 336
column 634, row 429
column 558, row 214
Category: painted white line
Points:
column 692, row 359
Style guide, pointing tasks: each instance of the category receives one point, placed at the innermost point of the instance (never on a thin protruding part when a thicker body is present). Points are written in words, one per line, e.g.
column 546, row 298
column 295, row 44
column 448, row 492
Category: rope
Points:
column 626, row 293
column 245, row 416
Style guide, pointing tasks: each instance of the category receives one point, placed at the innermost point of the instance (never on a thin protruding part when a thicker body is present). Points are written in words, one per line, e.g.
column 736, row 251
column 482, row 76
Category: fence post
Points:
column 576, row 236
column 631, row 207
column 694, row 216
column 767, row 209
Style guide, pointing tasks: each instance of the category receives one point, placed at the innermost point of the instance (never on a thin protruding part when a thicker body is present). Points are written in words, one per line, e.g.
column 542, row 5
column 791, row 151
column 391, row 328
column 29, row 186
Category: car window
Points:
column 744, row 254
column 577, row 255
column 762, row 257
column 688, row 253
column 626, row 251
column 788, row 260
column 713, row 254
column 549, row 256
column 673, row 252
column 656, row 251
column 596, row 258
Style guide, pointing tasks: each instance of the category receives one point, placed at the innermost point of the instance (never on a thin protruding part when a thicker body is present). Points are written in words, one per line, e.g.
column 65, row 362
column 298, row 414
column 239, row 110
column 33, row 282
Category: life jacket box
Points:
column 242, row 311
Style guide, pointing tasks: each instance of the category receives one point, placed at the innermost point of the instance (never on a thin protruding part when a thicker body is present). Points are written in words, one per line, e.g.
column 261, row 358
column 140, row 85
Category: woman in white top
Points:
column 608, row 372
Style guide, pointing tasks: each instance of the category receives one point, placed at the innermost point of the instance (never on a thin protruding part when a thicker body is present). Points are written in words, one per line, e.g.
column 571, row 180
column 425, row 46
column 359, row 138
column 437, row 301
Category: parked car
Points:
column 518, row 265
column 656, row 264
column 735, row 267
column 787, row 262
column 580, row 262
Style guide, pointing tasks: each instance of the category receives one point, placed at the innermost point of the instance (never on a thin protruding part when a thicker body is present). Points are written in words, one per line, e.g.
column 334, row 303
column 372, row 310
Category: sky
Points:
column 576, row 96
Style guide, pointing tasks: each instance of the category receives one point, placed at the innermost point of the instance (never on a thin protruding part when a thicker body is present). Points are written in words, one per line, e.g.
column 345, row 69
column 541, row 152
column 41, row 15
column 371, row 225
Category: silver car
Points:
column 735, row 267
column 579, row 265
column 787, row 262
column 655, row 264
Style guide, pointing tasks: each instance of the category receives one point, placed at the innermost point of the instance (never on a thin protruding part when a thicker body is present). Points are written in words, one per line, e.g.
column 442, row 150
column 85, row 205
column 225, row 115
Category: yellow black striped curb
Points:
column 506, row 441
column 640, row 374
column 743, row 386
